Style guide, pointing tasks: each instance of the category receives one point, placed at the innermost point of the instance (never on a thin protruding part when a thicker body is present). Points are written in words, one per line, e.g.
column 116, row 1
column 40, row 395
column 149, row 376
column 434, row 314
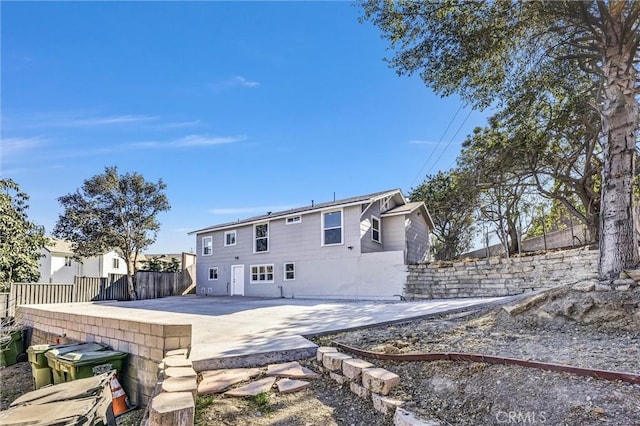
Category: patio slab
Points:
column 234, row 332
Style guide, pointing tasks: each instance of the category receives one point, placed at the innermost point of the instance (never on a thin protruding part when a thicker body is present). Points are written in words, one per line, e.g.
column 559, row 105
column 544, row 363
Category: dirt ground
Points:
column 586, row 329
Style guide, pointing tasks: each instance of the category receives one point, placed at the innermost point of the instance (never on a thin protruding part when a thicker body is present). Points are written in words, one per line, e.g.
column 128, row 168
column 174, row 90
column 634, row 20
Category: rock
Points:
column 585, row 286
column 289, row 386
column 292, row 370
column 216, row 381
column 323, row 350
column 253, row 388
column 524, row 305
column 379, row 380
column 175, row 408
column 352, row 368
column 384, row 404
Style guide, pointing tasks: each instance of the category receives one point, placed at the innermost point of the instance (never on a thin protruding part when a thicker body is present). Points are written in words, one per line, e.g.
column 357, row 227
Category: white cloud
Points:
column 10, row 147
column 246, row 83
column 237, row 81
column 105, row 121
column 191, row 141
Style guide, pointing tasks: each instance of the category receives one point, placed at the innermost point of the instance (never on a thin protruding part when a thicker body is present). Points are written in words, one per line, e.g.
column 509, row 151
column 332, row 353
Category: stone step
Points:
column 253, row 388
column 217, row 381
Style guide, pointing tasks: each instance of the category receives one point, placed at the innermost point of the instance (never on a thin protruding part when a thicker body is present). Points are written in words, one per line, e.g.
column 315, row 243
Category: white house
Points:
column 353, row 248
column 58, row 264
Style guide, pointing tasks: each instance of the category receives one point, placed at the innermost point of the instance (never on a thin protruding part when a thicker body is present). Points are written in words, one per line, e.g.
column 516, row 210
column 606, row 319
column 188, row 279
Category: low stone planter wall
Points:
column 495, row 277
column 146, row 343
column 368, row 382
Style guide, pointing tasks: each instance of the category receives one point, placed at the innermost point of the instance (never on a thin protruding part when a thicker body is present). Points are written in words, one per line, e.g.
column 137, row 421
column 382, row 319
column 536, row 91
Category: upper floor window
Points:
column 293, row 219
column 67, row 261
column 230, row 238
column 116, row 263
column 207, row 246
column 375, row 229
column 261, row 233
column 332, row 227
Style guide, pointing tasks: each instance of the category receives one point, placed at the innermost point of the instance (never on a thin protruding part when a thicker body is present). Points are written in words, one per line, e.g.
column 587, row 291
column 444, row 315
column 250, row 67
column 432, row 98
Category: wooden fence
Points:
column 149, row 285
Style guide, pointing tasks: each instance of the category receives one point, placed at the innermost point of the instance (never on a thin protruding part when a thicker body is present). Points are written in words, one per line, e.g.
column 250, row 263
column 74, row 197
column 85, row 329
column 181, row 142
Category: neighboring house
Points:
column 59, row 264
column 352, row 248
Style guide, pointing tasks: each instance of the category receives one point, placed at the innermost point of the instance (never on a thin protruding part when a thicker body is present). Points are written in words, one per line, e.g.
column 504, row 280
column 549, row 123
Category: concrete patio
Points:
column 230, row 332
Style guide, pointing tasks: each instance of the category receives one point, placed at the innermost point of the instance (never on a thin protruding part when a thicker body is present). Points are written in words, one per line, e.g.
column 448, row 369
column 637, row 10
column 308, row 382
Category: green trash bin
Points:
column 81, row 365
column 40, row 370
column 11, row 345
column 53, row 354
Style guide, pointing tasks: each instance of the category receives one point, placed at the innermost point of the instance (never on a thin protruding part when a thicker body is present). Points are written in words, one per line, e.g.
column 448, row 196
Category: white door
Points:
column 237, row 280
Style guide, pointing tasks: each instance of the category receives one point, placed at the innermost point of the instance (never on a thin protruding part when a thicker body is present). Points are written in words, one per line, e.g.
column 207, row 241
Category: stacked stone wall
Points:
column 146, row 343
column 500, row 276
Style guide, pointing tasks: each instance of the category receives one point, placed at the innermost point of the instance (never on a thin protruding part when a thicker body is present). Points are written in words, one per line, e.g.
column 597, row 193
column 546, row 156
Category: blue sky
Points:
column 240, row 108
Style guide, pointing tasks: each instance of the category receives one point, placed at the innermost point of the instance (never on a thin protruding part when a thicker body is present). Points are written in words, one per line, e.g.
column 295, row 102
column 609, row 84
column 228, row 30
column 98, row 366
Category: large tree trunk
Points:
column 618, row 248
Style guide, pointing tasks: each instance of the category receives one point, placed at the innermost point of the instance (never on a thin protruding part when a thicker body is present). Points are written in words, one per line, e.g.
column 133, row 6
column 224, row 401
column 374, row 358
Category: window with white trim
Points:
column 262, row 273
column 213, row 273
column 207, row 246
column 289, row 271
column 293, row 219
column 116, row 263
column 376, row 232
column 67, row 261
column 230, row 238
column 332, row 228
column 261, row 241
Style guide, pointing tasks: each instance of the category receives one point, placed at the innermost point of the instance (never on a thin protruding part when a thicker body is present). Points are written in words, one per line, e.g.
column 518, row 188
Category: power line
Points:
column 436, row 146
column 451, row 140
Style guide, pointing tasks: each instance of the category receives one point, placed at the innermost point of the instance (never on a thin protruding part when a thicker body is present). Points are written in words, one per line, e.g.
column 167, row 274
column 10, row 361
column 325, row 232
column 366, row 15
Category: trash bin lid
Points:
column 90, row 357
column 77, row 347
column 38, row 349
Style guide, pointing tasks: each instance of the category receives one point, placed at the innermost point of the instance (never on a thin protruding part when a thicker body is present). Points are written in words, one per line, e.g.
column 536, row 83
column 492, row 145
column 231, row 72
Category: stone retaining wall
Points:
column 146, row 343
column 500, row 276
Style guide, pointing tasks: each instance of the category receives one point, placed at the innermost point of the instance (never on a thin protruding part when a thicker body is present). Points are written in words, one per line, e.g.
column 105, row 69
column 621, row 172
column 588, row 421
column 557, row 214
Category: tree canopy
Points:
column 493, row 52
column 451, row 198
column 112, row 211
column 20, row 239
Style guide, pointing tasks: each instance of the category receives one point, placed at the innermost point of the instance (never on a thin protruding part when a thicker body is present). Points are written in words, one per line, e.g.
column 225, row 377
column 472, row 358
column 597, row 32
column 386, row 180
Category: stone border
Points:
column 368, row 382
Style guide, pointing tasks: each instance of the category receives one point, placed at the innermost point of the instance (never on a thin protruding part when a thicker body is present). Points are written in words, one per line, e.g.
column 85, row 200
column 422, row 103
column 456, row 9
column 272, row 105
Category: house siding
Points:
column 299, row 243
column 367, row 244
column 417, row 238
column 357, row 268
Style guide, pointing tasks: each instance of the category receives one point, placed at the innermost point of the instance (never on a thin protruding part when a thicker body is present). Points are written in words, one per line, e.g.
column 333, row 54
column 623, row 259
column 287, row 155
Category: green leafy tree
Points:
column 20, row 239
column 112, row 211
column 451, row 199
column 488, row 51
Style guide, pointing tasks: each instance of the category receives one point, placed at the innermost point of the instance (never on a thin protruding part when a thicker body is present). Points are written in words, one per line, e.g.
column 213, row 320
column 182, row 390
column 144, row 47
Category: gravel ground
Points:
column 595, row 329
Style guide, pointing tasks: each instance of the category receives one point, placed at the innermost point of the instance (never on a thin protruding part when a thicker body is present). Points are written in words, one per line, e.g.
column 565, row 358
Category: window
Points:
column 213, row 274
column 67, row 261
column 261, row 233
column 207, row 246
column 262, row 273
column 230, row 238
column 289, row 271
column 332, row 228
column 116, row 263
column 293, row 219
column 375, row 229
